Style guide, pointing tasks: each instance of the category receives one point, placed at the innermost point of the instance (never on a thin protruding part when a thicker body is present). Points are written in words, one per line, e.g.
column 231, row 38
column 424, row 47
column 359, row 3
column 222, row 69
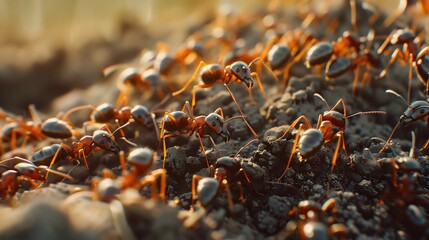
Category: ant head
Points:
column 417, row 110
column 216, row 123
column 103, row 140
column 241, row 71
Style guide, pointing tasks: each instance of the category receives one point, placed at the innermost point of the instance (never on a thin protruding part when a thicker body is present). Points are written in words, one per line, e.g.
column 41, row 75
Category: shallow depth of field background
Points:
column 48, row 47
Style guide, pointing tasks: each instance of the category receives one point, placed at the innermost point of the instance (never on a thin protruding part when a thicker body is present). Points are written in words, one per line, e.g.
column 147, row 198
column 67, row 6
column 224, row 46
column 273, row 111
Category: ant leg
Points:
column 233, row 99
column 33, row 113
column 390, row 137
column 81, row 154
column 225, row 184
column 355, row 79
column 255, row 75
column 410, row 77
column 296, row 59
column 194, row 76
column 165, row 147
column 385, row 43
column 204, row 150
column 424, row 146
column 307, row 125
column 295, row 143
column 65, row 116
column 62, row 145
column 247, row 123
column 194, row 91
column 159, row 173
column 195, row 180
column 122, row 162
column 242, row 171
column 243, row 147
column 394, row 56
column 353, row 16
column 330, row 205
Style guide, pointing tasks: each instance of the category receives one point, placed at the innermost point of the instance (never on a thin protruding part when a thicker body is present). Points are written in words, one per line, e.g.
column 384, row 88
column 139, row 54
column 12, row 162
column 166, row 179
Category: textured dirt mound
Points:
column 364, row 196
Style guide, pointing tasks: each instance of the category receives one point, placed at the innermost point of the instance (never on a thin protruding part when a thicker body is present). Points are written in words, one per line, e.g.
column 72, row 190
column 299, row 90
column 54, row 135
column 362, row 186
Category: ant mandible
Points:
column 330, row 127
column 184, row 122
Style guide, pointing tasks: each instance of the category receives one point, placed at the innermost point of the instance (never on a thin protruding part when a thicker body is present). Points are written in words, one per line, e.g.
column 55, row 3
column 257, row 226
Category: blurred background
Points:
column 48, row 47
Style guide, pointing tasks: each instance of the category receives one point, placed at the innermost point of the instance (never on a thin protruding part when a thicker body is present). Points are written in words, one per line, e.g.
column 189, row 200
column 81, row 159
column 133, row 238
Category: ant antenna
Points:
column 323, row 100
column 398, row 95
column 243, row 147
column 365, row 113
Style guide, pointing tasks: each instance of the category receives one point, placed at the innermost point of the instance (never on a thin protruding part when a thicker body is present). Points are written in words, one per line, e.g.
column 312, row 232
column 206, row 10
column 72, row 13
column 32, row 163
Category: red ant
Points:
column 19, row 170
column 36, row 129
column 312, row 221
column 212, row 74
column 141, row 161
column 416, row 110
column 410, row 52
column 330, row 127
column 84, row 147
column 184, row 122
column 106, row 113
column 403, row 196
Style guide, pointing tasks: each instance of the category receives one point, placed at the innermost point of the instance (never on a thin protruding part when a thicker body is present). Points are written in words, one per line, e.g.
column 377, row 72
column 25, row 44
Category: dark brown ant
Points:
column 416, row 110
column 403, row 196
column 184, row 122
column 19, row 170
column 279, row 50
column 330, row 127
column 312, row 221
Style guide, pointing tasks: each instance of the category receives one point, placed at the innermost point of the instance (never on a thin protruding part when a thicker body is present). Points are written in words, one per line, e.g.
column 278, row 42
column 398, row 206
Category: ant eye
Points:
column 102, row 141
column 214, row 124
column 422, row 110
column 237, row 69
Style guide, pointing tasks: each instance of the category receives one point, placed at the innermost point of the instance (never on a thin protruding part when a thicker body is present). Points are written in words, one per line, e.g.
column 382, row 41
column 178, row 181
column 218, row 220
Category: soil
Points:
column 367, row 203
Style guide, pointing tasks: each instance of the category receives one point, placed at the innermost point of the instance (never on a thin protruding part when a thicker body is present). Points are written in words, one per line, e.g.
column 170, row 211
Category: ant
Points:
column 410, row 52
column 312, row 221
column 58, row 127
column 212, row 74
column 82, row 148
column 19, row 170
column 184, row 122
column 279, row 50
column 330, row 127
column 140, row 160
column 106, row 113
column 344, row 55
column 416, row 110
column 403, row 193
